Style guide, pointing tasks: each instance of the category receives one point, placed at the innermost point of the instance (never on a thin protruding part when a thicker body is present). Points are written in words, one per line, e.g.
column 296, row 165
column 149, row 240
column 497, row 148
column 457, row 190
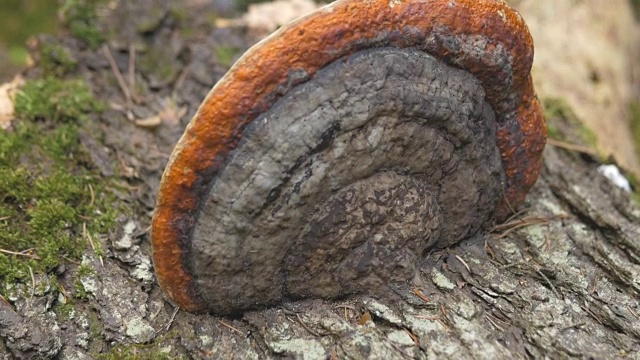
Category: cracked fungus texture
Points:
column 336, row 151
column 342, row 185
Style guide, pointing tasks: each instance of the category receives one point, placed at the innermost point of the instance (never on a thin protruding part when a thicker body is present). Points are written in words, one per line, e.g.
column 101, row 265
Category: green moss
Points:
column 635, row 5
column 64, row 311
column 179, row 13
column 14, row 185
column 55, row 60
column 152, row 20
column 95, row 325
column 559, row 113
column 18, row 55
column 635, row 185
column 212, row 18
column 159, row 349
column 226, row 55
column 243, row 5
column 49, row 200
column 160, row 62
column 558, row 108
column 62, row 143
column 80, row 18
column 634, row 121
column 79, row 292
column 82, row 271
column 22, row 19
column 137, row 352
column 14, row 144
column 57, row 100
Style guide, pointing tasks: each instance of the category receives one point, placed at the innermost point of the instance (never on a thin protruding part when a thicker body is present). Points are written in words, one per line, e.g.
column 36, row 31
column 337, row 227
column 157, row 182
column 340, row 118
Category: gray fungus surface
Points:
column 347, row 180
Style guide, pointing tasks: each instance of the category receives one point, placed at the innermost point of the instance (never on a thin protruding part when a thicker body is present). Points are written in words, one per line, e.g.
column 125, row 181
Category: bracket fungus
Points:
column 341, row 148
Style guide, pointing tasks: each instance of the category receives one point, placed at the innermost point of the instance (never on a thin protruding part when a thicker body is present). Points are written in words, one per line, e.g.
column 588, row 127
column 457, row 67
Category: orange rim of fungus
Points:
column 312, row 42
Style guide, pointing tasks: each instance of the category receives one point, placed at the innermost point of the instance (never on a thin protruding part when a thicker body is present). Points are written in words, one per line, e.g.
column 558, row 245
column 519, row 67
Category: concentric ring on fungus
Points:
column 338, row 150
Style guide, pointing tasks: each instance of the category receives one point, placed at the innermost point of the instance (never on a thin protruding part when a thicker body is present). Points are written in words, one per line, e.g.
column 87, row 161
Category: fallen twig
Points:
column 173, row 317
column 21, row 253
column 572, row 147
column 463, row 263
column 87, row 236
column 514, row 225
column 306, row 327
column 229, row 326
column 123, row 86
column 421, row 295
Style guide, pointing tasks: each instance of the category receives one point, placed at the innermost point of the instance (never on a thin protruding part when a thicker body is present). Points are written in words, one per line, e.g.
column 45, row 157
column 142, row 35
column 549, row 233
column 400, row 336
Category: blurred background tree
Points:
column 19, row 20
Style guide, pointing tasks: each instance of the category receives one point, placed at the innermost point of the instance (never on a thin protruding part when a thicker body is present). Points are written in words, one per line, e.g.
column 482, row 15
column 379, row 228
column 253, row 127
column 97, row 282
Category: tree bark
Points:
column 560, row 280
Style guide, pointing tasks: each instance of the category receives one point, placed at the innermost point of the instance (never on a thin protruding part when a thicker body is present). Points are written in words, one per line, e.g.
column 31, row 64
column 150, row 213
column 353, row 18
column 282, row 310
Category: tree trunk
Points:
column 559, row 280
